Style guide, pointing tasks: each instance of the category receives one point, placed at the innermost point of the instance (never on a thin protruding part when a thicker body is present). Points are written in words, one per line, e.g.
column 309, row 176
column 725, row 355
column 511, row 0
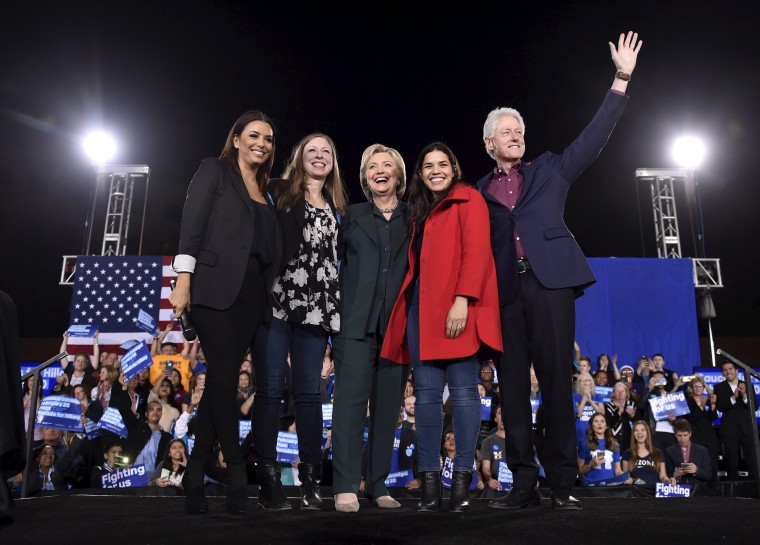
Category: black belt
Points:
column 523, row 265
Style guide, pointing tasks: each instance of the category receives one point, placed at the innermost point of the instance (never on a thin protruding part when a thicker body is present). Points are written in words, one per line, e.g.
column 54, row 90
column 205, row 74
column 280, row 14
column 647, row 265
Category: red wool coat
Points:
column 456, row 259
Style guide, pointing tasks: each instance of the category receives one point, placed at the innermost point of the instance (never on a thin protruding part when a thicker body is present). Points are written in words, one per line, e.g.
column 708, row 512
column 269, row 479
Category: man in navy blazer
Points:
column 687, row 462
column 541, row 269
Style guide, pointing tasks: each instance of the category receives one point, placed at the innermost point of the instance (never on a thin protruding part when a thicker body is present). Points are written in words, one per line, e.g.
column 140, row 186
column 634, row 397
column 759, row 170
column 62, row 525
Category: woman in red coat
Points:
column 447, row 311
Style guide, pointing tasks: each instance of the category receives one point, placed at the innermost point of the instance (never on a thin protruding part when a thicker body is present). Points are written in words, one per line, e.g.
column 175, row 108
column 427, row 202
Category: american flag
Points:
column 110, row 291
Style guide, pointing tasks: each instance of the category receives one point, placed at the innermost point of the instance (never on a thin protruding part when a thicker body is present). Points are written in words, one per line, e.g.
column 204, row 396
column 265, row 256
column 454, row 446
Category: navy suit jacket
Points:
column 698, row 455
column 554, row 255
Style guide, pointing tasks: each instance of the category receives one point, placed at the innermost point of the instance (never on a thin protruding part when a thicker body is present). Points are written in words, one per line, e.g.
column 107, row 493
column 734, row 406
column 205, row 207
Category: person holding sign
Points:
column 230, row 245
column 663, row 426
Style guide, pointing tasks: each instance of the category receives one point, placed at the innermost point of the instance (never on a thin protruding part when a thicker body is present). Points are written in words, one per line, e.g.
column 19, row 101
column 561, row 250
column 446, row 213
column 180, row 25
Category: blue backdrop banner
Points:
column 640, row 306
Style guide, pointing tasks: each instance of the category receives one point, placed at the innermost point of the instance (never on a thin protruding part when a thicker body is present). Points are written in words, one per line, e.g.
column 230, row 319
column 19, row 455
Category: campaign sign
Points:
column 47, row 376
column 504, row 475
column 60, row 412
column 136, row 359
column 244, row 428
column 287, row 447
column 324, row 442
column 485, row 408
column 398, row 476
column 87, row 331
column 112, row 421
column 534, row 405
column 665, row 490
column 713, row 375
column 611, row 481
column 330, row 388
column 604, row 392
column 448, row 472
column 91, row 429
column 669, row 403
column 327, row 410
column 125, row 477
column 126, row 345
column 146, row 322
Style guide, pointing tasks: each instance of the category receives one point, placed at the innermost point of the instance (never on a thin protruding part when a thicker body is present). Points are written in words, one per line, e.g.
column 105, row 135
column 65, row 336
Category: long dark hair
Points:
column 229, row 152
column 168, row 463
column 609, row 437
column 421, row 200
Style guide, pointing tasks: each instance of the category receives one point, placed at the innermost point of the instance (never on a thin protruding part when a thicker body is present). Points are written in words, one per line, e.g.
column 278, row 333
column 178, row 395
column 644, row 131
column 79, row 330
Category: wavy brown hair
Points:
column 294, row 176
column 648, row 444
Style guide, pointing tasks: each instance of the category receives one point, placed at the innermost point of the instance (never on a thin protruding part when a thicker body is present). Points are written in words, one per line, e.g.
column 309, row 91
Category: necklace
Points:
column 389, row 209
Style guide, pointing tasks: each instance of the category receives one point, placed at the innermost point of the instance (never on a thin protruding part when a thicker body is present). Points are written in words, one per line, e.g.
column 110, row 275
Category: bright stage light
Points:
column 688, row 151
column 99, row 147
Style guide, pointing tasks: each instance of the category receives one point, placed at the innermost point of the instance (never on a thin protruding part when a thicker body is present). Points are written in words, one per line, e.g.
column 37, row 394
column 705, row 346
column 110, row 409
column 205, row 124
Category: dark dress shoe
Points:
column 196, row 504
column 566, row 504
column 517, row 498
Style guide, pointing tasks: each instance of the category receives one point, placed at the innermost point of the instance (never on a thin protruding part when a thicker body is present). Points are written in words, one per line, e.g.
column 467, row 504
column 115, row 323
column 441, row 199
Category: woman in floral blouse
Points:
column 310, row 200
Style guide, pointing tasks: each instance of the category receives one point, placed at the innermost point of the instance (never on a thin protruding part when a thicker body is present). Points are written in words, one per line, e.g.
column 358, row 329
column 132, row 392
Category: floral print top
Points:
column 307, row 292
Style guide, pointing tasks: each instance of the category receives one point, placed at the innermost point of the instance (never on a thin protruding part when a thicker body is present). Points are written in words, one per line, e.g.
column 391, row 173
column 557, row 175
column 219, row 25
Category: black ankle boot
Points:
column 271, row 495
column 459, row 501
column 311, row 496
column 237, row 489
column 192, row 482
column 430, row 500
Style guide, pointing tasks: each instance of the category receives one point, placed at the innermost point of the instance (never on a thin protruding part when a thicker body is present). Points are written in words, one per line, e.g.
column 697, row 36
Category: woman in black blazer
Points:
column 310, row 203
column 376, row 239
column 229, row 247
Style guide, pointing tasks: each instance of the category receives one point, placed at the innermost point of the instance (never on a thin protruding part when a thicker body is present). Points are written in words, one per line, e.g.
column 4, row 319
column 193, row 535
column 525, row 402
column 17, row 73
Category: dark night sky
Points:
column 169, row 78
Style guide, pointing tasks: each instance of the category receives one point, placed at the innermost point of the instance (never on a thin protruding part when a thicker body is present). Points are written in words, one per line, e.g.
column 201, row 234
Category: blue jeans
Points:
column 273, row 342
column 430, row 376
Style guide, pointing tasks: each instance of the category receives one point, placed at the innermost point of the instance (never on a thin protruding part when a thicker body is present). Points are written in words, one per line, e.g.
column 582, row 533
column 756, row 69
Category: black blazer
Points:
column 555, row 257
column 218, row 231
column 735, row 420
column 360, row 268
column 698, row 455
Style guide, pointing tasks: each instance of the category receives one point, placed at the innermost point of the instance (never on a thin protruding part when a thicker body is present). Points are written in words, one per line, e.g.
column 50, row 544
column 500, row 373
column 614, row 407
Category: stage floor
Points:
column 132, row 520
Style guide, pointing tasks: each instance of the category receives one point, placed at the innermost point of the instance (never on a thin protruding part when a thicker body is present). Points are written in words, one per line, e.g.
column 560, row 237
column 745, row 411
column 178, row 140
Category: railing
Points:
column 33, row 414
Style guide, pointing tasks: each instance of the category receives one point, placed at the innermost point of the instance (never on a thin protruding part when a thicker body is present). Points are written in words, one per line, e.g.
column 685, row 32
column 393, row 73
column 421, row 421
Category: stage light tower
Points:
column 100, row 147
column 689, row 151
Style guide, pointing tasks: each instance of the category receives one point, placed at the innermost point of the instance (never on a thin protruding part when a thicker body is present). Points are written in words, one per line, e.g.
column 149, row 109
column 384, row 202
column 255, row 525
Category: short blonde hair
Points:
column 397, row 159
